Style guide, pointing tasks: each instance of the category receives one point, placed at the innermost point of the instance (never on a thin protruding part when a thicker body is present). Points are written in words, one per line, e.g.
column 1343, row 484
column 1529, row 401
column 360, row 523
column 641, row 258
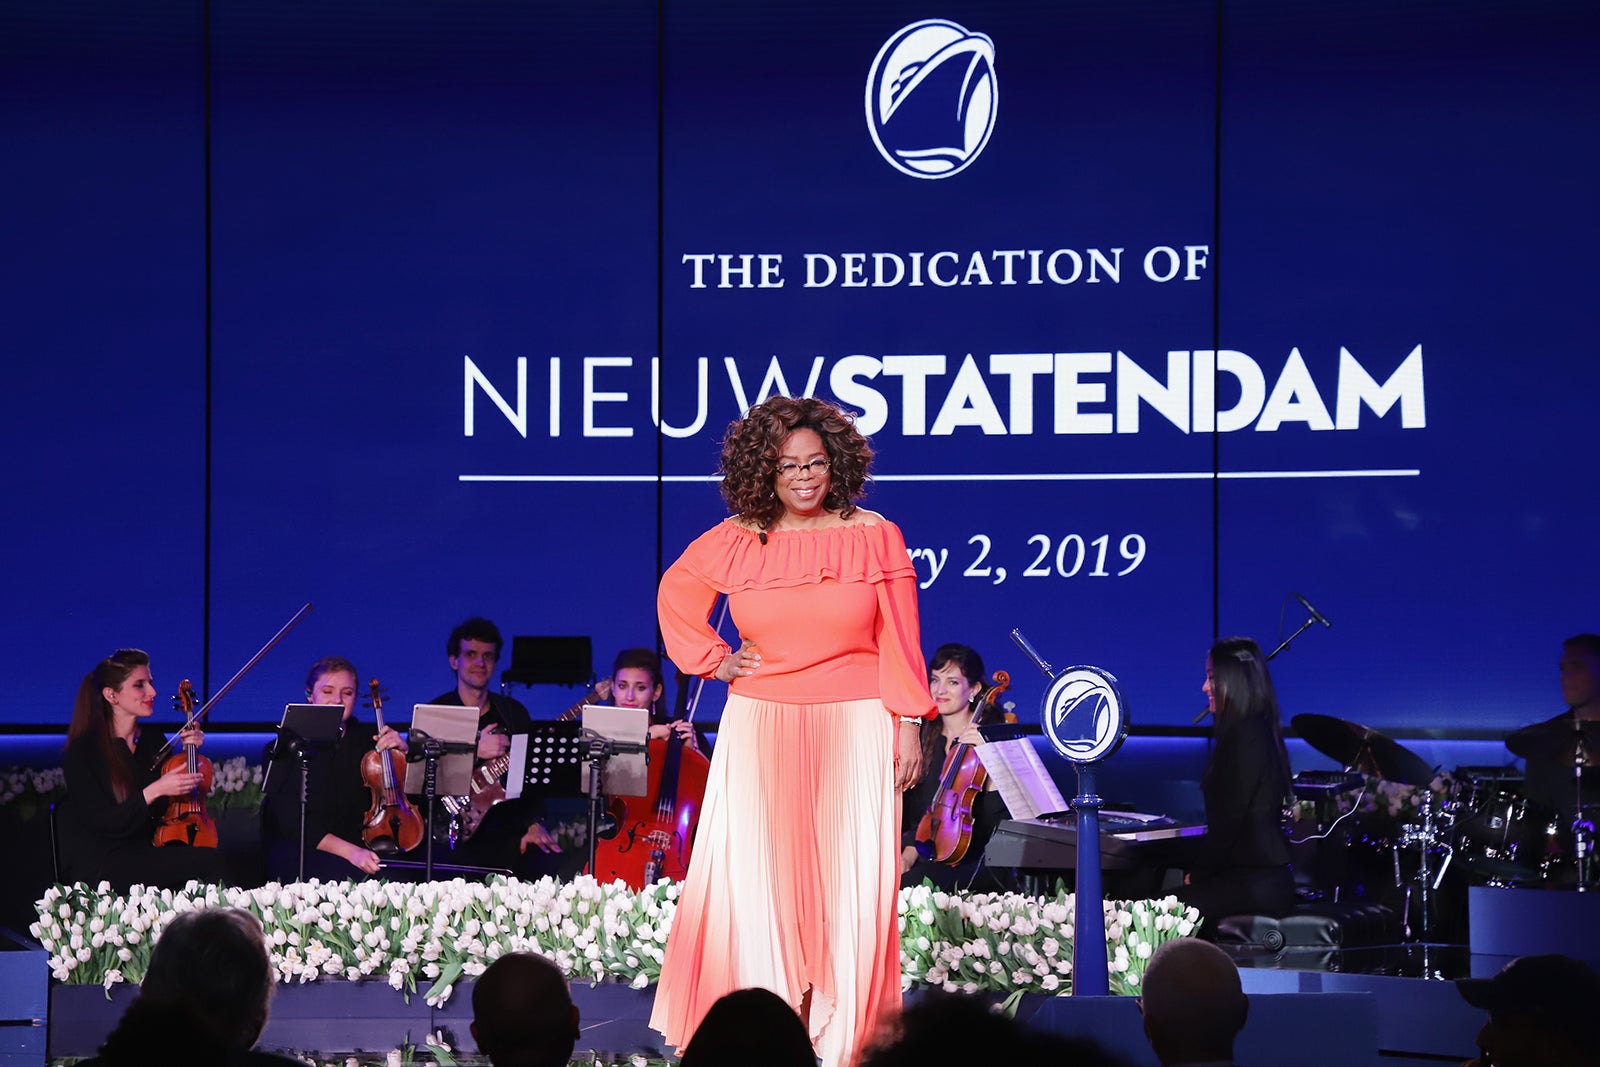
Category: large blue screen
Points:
column 1157, row 315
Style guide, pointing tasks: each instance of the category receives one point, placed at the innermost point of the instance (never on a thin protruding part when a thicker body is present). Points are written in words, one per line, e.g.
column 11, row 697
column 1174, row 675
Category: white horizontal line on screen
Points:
column 1129, row 476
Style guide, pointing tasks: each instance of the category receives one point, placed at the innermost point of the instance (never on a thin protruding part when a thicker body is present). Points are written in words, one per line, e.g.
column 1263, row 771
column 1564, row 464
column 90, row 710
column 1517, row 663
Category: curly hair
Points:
column 750, row 456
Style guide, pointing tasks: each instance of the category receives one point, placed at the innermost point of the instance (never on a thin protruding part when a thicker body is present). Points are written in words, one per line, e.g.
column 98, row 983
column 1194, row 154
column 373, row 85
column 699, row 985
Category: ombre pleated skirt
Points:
column 793, row 880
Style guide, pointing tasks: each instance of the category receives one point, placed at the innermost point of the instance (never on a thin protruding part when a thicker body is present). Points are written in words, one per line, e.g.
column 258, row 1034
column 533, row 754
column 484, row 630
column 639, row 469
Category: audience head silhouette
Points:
column 522, row 1013
column 942, row 1030
column 215, row 962
column 1192, row 1002
column 750, row 1026
column 205, row 996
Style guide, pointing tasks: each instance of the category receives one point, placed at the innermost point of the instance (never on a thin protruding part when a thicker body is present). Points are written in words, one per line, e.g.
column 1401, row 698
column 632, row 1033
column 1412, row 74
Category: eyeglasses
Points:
column 790, row 471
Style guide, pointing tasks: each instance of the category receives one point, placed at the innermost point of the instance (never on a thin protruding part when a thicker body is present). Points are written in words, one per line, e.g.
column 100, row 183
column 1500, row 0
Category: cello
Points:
column 391, row 825
column 186, row 820
column 945, row 832
column 656, row 831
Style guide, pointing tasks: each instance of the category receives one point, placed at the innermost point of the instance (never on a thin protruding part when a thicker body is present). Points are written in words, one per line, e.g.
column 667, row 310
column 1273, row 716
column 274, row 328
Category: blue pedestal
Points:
column 24, row 1001
column 1505, row 923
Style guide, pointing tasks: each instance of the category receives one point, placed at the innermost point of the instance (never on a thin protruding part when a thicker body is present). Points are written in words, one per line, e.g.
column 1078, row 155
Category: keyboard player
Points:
column 1243, row 868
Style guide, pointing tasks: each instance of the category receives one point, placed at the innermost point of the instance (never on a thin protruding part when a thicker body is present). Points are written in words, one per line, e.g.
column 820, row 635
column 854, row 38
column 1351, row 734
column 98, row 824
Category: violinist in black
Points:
column 336, row 797
column 116, row 792
column 957, row 683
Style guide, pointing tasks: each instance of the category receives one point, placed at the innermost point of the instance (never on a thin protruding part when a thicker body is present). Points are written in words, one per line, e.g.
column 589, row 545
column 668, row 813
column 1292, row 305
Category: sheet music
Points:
column 1018, row 773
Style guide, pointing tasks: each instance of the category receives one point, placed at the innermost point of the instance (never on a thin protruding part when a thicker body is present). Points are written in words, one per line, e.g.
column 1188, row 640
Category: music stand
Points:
column 629, row 775
column 545, row 761
column 304, row 730
column 610, row 732
column 1013, row 763
column 442, row 761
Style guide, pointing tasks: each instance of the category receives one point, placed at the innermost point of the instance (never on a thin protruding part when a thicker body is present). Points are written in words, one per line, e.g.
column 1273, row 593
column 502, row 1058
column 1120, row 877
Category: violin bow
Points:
column 231, row 682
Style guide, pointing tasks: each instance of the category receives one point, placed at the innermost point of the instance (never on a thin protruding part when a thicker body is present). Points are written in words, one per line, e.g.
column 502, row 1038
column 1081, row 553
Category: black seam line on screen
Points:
column 1216, row 331
column 661, row 295
column 205, row 154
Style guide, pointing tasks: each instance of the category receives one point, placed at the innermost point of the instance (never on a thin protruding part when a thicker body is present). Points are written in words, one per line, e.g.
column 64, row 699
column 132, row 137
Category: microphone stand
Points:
column 1283, row 645
column 596, row 751
column 433, row 750
column 287, row 744
column 1582, row 827
column 305, row 801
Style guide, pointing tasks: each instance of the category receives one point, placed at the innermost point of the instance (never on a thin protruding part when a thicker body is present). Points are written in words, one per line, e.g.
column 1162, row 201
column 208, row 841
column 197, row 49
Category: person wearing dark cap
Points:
column 522, row 1013
column 1541, row 1012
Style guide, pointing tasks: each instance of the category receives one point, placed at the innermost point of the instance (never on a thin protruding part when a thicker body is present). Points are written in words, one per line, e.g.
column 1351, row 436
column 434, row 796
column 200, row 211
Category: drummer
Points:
column 1550, row 747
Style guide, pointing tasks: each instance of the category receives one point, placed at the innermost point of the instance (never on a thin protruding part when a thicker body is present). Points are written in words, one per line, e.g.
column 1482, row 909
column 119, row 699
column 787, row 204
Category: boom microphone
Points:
column 1315, row 614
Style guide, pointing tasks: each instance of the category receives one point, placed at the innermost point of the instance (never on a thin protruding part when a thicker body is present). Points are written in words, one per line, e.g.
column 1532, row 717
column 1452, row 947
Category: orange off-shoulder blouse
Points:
column 833, row 610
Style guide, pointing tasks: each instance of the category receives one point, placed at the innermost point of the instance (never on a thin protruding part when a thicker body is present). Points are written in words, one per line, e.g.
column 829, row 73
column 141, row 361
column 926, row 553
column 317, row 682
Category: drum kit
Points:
column 1483, row 822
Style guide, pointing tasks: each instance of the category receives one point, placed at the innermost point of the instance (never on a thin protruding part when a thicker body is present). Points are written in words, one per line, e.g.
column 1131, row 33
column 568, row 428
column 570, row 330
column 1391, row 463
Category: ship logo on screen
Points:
column 1084, row 715
column 932, row 97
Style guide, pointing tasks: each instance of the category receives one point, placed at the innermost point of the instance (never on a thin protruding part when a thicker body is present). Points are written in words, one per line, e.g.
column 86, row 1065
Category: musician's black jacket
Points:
column 1246, row 786
column 336, row 801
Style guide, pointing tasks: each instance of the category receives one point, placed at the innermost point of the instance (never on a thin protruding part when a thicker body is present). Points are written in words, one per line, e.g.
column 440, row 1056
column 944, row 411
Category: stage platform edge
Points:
column 369, row 1017
column 1506, row 923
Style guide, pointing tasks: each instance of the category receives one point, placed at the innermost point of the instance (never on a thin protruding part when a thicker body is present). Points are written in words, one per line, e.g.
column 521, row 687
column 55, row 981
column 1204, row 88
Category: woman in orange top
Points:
column 792, row 886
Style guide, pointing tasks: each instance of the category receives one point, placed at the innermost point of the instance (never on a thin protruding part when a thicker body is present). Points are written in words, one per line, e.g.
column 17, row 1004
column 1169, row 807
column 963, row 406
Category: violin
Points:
column 392, row 825
column 656, row 831
column 186, row 820
column 945, row 832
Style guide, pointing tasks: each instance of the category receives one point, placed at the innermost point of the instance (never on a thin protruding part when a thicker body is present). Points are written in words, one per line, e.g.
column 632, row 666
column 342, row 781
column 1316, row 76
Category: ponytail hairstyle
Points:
column 971, row 667
column 91, row 713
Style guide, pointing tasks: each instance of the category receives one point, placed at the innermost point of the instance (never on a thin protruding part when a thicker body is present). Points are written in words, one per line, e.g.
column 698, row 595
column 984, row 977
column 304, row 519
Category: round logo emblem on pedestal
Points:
column 1084, row 715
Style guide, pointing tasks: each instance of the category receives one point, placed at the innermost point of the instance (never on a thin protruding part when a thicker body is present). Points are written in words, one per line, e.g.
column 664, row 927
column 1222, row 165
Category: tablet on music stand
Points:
column 545, row 761
column 305, row 728
column 626, row 773
column 457, row 728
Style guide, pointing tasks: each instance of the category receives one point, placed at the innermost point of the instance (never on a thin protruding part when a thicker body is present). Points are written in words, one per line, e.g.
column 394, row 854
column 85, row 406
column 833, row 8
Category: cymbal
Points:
column 1558, row 741
column 1360, row 748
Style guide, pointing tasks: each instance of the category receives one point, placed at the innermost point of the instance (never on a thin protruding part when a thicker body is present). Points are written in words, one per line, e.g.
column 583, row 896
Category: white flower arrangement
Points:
column 31, row 789
column 1382, row 806
column 235, row 783
column 1013, row 943
column 440, row 932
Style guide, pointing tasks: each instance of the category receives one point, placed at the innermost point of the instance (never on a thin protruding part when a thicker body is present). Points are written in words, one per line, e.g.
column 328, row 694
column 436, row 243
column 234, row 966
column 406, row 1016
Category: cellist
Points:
column 957, row 683
column 336, row 797
column 636, row 683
